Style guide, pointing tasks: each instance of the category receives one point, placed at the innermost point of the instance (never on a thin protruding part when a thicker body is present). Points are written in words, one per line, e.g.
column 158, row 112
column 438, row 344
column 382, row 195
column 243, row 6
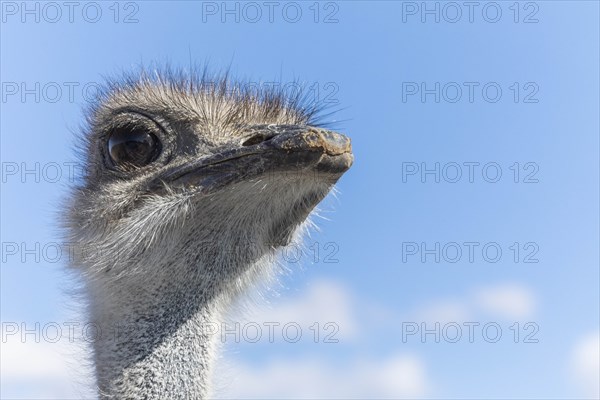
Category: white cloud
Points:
column 318, row 375
column 43, row 370
column 585, row 365
column 508, row 301
column 446, row 311
column 324, row 302
column 399, row 376
column 511, row 301
column 396, row 376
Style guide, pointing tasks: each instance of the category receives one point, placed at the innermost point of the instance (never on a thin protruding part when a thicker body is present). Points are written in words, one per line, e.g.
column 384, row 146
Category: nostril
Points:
column 256, row 139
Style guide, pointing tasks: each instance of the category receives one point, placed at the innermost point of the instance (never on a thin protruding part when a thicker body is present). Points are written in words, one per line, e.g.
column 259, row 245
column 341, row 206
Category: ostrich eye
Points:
column 133, row 146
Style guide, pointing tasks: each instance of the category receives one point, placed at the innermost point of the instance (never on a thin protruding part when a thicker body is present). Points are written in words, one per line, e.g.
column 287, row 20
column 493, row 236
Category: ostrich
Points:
column 191, row 185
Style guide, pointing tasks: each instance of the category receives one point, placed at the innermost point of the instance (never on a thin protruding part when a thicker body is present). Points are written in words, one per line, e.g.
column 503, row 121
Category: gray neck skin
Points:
column 158, row 352
column 159, row 318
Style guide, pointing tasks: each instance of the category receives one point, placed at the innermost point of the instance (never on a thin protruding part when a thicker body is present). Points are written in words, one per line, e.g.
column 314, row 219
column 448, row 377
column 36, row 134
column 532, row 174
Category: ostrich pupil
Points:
column 135, row 147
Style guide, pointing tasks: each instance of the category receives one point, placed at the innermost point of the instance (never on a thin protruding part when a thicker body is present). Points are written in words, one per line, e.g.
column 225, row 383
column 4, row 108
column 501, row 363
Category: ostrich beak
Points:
column 269, row 149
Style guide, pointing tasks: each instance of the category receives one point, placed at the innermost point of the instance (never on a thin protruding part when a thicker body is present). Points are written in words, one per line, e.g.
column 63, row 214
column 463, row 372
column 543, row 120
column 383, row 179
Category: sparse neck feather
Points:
column 158, row 343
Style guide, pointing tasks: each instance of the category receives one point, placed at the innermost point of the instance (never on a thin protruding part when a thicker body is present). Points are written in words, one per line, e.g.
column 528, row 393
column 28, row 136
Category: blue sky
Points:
column 504, row 87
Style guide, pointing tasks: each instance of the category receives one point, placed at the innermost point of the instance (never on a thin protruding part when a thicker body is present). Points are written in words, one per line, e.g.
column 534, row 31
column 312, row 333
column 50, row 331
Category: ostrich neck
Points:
column 154, row 343
column 160, row 311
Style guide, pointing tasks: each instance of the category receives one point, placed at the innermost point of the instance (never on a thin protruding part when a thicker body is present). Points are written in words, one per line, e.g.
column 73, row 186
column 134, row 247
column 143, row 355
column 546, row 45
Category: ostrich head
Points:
column 191, row 184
